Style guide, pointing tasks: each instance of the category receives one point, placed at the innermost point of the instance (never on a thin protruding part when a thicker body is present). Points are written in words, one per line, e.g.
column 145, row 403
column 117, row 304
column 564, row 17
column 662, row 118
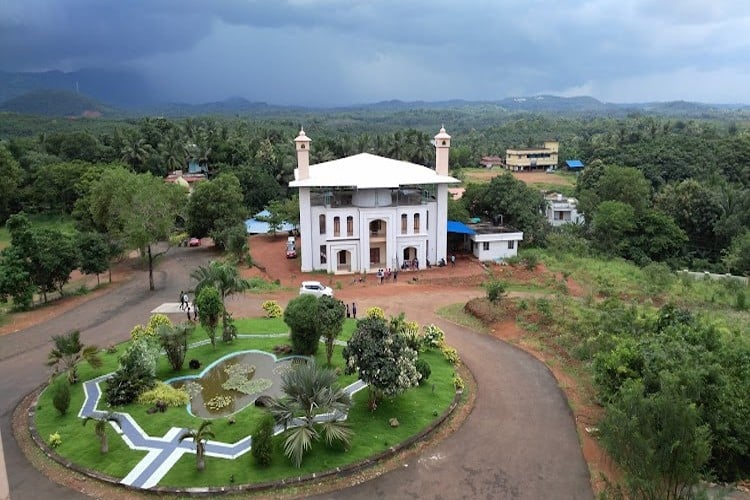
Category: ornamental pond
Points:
column 234, row 382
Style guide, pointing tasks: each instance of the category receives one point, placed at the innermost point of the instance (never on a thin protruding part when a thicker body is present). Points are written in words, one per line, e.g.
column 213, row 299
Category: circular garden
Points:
column 274, row 400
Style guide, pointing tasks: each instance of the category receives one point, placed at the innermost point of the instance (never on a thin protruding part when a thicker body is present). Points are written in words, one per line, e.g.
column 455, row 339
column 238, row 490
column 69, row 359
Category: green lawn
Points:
column 63, row 222
column 414, row 410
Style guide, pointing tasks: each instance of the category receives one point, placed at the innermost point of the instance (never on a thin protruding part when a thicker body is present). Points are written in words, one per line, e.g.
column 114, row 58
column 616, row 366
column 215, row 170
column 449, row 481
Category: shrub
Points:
column 434, row 337
column 272, row 309
column 424, row 370
column 375, row 312
column 544, row 307
column 54, row 440
column 262, row 444
column 451, row 355
column 300, row 315
column 61, row 397
column 166, row 394
column 126, row 385
column 458, row 382
column 741, row 301
column 513, row 260
column 530, row 261
column 495, row 290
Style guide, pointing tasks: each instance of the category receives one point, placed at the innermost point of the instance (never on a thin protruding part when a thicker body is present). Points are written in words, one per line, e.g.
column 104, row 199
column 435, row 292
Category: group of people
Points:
column 385, row 274
column 351, row 313
column 192, row 310
column 412, row 264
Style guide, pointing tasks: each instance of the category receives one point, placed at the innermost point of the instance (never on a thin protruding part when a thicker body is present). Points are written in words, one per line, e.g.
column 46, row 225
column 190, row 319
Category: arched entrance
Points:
column 409, row 258
column 378, row 232
column 343, row 261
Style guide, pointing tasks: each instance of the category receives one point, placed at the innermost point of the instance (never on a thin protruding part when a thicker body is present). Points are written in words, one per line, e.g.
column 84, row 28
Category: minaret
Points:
column 442, row 151
column 302, row 143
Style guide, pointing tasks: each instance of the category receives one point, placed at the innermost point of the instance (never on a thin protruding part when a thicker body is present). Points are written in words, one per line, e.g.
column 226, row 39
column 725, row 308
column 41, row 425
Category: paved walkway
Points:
column 164, row 452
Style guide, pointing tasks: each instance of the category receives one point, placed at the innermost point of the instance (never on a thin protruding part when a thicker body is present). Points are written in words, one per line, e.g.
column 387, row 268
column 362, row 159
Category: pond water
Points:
column 231, row 383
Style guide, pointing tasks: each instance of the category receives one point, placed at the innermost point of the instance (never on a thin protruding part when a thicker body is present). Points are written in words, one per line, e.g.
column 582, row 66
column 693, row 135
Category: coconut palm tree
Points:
column 308, row 392
column 100, row 428
column 69, row 351
column 199, row 436
column 225, row 278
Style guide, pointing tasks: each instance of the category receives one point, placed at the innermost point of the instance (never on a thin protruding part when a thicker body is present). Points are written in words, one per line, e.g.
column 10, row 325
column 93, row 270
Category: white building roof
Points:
column 368, row 171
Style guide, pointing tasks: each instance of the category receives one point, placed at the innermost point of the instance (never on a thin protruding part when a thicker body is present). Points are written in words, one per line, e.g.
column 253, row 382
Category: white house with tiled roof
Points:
column 366, row 212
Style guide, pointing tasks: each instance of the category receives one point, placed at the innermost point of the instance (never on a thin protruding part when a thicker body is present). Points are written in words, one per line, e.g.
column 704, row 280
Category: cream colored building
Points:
column 523, row 159
column 366, row 212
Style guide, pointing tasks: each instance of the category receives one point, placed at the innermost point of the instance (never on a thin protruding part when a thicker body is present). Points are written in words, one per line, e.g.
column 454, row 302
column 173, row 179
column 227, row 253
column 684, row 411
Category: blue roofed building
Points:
column 574, row 164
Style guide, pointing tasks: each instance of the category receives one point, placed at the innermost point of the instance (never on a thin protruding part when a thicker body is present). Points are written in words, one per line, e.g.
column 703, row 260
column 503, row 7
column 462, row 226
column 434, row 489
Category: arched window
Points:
column 416, row 223
column 336, row 227
column 322, row 223
column 350, row 226
column 403, row 223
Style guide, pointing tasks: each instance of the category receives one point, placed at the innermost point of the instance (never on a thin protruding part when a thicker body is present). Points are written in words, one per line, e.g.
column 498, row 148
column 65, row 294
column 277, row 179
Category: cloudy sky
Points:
column 333, row 52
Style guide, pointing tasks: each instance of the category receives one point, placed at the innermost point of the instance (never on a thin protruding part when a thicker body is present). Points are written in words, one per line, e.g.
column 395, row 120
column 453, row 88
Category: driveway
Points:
column 519, row 441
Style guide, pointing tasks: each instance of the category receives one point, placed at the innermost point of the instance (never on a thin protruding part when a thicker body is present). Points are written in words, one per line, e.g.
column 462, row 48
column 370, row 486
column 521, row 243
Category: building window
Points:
column 336, row 227
column 485, row 245
column 374, row 227
column 323, row 256
column 322, row 223
column 403, row 223
column 342, row 257
column 427, row 220
column 511, row 244
column 416, row 223
column 350, row 226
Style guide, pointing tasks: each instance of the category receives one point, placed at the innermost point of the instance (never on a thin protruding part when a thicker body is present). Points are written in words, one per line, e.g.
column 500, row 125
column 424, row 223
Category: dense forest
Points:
column 655, row 188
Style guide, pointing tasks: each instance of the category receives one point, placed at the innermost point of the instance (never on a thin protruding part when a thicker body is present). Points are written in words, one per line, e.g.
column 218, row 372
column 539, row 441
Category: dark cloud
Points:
column 338, row 51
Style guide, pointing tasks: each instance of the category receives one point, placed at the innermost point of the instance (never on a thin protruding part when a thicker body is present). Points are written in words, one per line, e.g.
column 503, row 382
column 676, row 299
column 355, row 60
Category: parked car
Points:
column 291, row 249
column 194, row 242
column 315, row 288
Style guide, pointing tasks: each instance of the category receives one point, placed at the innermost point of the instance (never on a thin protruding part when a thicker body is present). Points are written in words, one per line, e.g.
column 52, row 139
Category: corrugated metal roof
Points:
column 455, row 226
column 574, row 163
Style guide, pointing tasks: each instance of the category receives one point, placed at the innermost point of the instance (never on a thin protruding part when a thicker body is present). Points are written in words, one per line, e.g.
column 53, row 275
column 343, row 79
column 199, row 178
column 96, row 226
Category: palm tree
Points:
column 100, row 428
column 199, row 436
column 135, row 152
column 308, row 392
column 224, row 277
column 69, row 351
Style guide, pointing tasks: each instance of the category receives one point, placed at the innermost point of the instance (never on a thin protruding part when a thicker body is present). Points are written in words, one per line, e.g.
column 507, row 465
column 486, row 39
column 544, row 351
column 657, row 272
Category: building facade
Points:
column 562, row 210
column 519, row 160
column 365, row 212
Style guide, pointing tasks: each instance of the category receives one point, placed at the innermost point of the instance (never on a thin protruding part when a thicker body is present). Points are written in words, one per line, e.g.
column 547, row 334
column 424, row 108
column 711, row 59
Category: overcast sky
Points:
column 334, row 52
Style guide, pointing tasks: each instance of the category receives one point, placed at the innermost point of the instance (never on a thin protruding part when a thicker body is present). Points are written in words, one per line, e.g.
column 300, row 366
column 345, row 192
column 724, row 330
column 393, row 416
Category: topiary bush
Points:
column 166, row 394
column 375, row 312
column 272, row 309
column 300, row 315
column 434, row 337
column 61, row 396
column 262, row 443
column 424, row 370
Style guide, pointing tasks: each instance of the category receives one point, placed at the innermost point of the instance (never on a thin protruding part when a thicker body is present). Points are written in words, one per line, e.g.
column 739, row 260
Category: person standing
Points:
column 354, row 310
column 453, row 260
column 395, row 275
column 195, row 312
column 188, row 312
column 182, row 300
column 348, row 312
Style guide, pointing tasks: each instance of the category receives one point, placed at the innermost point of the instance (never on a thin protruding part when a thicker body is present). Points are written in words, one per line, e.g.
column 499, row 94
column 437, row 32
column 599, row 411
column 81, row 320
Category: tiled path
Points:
column 165, row 451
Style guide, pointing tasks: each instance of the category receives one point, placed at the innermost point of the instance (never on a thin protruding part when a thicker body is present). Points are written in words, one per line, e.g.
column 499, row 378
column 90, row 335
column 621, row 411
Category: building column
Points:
column 442, row 223
column 305, row 228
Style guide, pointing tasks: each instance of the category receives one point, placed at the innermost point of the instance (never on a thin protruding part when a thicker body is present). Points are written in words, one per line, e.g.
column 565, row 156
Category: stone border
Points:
column 338, row 472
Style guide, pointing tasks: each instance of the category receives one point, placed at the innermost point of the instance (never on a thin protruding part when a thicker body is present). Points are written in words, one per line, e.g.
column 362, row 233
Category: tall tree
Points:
column 214, row 207
column 330, row 319
column 10, row 177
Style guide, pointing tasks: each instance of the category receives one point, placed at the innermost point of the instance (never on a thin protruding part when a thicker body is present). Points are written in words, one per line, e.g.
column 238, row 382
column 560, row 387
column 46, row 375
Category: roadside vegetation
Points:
column 659, row 359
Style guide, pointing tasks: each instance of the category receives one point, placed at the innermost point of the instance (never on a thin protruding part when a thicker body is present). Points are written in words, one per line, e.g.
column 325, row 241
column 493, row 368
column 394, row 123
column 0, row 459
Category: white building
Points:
column 366, row 212
column 562, row 210
column 490, row 242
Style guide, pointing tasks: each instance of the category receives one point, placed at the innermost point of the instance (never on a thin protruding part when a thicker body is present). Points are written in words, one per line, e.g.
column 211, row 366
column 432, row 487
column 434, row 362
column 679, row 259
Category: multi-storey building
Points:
column 366, row 212
column 522, row 159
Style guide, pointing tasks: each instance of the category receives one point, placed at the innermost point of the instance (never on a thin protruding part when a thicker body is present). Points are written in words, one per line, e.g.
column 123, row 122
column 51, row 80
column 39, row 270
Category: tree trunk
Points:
column 150, row 269
column 105, row 443
column 201, row 464
column 97, row 280
column 110, row 273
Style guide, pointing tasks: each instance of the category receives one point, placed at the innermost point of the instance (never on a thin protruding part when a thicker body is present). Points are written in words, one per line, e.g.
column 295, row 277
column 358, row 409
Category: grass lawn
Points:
column 62, row 222
column 372, row 434
column 414, row 410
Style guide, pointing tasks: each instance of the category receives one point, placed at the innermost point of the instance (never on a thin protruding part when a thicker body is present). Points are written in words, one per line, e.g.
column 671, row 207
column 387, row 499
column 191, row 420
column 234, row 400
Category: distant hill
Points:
column 121, row 88
column 46, row 102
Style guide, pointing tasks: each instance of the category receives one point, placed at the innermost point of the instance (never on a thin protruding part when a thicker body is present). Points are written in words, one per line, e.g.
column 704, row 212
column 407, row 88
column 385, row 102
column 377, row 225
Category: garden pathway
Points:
column 164, row 452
